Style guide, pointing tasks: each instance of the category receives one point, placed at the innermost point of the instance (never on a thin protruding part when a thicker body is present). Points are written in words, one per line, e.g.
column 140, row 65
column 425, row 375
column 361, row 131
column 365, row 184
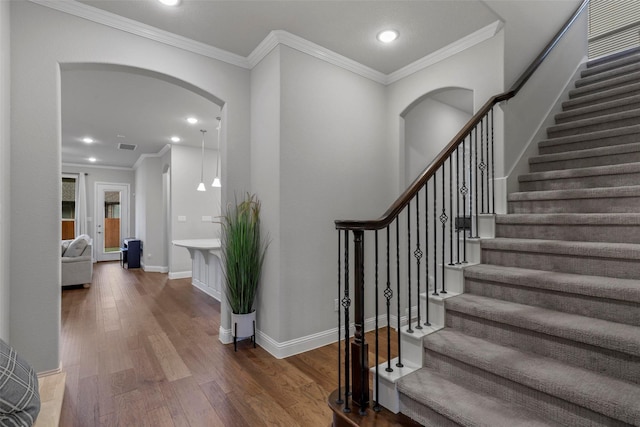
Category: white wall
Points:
column 5, row 135
column 150, row 220
column 478, row 68
column 333, row 165
column 527, row 116
column 41, row 40
column 428, row 127
column 265, row 183
column 192, row 204
column 529, row 25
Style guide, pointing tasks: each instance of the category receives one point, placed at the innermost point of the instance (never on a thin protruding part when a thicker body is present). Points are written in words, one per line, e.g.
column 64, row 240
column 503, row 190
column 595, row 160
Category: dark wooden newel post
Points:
column 359, row 347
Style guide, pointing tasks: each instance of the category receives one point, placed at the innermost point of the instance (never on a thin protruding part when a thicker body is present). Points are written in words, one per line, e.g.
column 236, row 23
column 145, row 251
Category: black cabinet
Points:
column 130, row 253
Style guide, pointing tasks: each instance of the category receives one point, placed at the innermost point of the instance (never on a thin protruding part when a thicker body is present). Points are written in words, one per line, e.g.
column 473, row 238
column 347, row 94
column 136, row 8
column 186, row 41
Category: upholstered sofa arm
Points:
column 19, row 395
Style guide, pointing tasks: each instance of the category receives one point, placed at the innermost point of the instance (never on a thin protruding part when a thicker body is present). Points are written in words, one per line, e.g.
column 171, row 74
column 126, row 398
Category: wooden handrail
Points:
column 402, row 201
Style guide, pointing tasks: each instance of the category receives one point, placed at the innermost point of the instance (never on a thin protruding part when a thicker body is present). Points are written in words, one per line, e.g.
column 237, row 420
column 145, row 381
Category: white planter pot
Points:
column 243, row 325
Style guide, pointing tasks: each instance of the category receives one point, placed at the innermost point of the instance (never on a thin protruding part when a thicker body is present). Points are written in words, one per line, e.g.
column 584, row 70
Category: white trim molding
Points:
column 154, row 268
column 277, row 37
column 441, row 54
column 179, row 274
column 273, row 39
column 130, row 26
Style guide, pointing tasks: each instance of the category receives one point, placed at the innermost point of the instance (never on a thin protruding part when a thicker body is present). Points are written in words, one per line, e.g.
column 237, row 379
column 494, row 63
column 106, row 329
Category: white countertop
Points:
column 203, row 244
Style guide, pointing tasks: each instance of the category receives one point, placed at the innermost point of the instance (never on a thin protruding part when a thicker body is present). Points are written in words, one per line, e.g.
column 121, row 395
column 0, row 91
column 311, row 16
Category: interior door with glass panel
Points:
column 112, row 225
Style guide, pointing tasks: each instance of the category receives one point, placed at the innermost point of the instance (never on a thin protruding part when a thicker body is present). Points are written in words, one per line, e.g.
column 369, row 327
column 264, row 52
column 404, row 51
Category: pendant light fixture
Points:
column 201, row 185
column 216, row 181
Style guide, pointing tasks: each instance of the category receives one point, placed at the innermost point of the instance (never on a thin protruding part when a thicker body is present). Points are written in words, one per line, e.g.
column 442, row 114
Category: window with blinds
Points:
column 614, row 25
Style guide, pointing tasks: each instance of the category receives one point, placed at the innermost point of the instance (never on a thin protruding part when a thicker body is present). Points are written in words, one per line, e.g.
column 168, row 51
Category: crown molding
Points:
column 276, row 37
column 118, row 22
column 273, row 39
column 456, row 47
column 83, row 166
column 160, row 153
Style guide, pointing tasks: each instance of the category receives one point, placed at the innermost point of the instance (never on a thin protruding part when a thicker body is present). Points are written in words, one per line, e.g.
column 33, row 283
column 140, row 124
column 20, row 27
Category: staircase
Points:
column 548, row 329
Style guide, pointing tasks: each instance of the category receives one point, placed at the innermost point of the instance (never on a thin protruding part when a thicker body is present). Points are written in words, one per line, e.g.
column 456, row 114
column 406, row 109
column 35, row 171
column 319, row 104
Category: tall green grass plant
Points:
column 243, row 252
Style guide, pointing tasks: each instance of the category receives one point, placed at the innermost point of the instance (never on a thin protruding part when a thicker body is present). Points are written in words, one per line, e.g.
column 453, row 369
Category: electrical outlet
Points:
column 336, row 305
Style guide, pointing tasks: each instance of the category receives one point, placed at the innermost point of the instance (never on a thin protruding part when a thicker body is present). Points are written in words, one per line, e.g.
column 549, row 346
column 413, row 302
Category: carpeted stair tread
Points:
column 602, row 96
column 619, row 70
column 587, row 227
column 629, row 251
column 570, row 219
column 587, row 330
column 617, row 136
column 614, row 60
column 580, row 193
column 612, row 397
column 580, row 284
column 620, row 169
column 586, row 154
column 606, row 121
column 605, row 85
column 464, row 406
column 601, row 109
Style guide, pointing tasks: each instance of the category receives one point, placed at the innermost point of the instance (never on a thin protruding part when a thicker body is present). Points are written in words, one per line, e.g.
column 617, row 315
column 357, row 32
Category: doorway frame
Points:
column 99, row 189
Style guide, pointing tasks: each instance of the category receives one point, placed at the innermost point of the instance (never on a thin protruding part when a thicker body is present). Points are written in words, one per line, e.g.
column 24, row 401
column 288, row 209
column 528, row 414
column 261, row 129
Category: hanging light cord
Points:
column 202, row 159
column 218, row 162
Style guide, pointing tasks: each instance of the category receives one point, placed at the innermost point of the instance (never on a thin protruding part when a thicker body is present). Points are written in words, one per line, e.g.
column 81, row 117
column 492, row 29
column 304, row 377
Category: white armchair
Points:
column 77, row 262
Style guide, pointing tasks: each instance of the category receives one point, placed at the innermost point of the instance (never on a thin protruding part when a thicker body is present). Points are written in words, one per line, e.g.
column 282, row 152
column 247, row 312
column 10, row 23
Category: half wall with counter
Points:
column 206, row 265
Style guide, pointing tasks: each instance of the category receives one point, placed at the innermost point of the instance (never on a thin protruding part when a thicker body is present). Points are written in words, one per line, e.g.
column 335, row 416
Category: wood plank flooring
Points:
column 141, row 350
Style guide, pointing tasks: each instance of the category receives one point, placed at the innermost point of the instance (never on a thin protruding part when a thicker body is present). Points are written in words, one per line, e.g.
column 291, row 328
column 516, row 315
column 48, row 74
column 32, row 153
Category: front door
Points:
column 112, row 225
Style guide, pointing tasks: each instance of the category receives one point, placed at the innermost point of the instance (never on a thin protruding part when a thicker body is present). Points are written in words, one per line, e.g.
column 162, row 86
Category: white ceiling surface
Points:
column 345, row 27
column 107, row 103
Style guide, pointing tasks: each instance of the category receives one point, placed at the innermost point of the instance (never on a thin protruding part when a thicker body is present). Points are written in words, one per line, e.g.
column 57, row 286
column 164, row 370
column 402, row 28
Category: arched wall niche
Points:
column 429, row 123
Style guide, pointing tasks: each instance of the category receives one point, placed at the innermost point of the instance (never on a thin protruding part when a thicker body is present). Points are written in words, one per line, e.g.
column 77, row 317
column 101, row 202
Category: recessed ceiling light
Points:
column 87, row 140
column 175, row 139
column 387, row 36
column 92, row 159
column 170, row 2
column 192, row 120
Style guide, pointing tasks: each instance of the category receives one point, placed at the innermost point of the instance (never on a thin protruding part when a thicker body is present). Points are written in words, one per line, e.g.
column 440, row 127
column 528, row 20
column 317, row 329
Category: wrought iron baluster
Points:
column 458, row 206
column 475, row 181
column 339, row 399
column 493, row 171
column 464, row 191
column 443, row 220
column 399, row 364
column 481, row 166
column 450, row 207
column 486, row 137
column 376, row 406
column 388, row 294
column 426, row 247
column 435, row 234
column 409, row 330
column 418, row 255
column 346, row 303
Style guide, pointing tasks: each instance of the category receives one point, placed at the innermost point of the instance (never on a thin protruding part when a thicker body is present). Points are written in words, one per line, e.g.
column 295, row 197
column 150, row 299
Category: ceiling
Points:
column 113, row 106
column 118, row 105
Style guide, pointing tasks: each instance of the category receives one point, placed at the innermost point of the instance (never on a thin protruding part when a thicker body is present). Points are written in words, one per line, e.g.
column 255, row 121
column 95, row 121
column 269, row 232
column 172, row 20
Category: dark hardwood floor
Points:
column 142, row 350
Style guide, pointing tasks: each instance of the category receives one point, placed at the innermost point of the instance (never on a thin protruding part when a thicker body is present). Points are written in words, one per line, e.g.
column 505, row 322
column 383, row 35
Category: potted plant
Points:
column 243, row 252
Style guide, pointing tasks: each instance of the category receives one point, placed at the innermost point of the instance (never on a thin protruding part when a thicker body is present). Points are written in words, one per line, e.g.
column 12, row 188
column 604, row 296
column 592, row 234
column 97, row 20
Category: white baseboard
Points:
column 224, row 335
column 155, row 268
column 179, row 274
column 50, row 372
column 281, row 350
